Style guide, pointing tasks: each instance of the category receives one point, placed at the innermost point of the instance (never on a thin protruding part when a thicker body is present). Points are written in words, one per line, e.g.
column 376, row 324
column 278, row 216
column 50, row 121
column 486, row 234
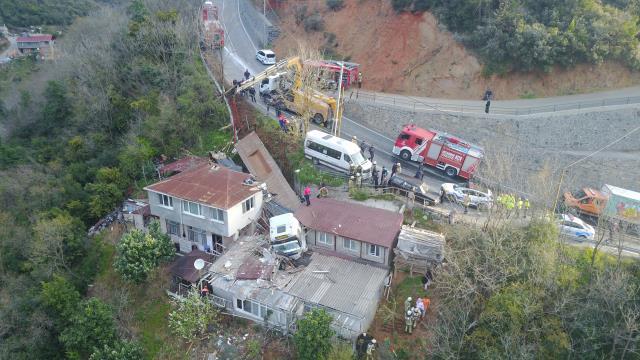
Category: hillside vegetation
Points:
column 129, row 87
column 525, row 35
column 23, row 13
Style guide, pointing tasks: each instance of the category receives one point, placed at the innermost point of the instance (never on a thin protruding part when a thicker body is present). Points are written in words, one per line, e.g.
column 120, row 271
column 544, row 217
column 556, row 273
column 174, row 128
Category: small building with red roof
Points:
column 351, row 231
column 40, row 43
column 207, row 206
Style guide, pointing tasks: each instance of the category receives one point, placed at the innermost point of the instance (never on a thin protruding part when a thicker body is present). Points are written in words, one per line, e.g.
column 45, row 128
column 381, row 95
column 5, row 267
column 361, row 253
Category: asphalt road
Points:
column 239, row 55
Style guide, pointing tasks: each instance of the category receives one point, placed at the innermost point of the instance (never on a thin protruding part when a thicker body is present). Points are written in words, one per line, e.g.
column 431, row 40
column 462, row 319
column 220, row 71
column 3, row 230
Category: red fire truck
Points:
column 213, row 33
column 438, row 149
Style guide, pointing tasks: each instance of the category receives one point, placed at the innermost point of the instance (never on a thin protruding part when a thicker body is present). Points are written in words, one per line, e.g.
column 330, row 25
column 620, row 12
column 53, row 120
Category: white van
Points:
column 335, row 152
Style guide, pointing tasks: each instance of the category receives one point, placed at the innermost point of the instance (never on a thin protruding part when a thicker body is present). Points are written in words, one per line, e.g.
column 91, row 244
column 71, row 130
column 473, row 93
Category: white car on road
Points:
column 478, row 199
column 576, row 228
column 266, row 57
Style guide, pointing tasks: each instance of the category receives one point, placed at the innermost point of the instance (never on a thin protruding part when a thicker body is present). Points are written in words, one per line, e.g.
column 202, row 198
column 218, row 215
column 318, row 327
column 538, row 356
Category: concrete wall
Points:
column 518, row 148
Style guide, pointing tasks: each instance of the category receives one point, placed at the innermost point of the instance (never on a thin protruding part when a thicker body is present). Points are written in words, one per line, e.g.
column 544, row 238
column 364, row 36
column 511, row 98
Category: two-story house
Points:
column 206, row 206
column 350, row 230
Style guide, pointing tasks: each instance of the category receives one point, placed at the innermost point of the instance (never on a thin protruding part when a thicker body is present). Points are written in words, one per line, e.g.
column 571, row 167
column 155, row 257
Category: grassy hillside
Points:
column 537, row 34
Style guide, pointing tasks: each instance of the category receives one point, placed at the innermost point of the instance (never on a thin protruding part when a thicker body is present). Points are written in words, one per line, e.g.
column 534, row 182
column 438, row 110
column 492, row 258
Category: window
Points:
column 314, row 146
column 191, row 208
column 216, row 214
column 418, row 141
column 374, row 250
column 333, row 153
column 347, row 158
column 405, row 136
column 247, row 205
column 281, row 228
column 323, row 238
column 173, row 228
column 350, row 244
column 252, row 307
column 197, row 235
column 165, row 200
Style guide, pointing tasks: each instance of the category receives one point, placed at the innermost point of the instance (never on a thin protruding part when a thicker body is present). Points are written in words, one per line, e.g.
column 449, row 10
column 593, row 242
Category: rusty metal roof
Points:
column 261, row 164
column 253, row 269
column 208, row 184
column 183, row 267
column 353, row 221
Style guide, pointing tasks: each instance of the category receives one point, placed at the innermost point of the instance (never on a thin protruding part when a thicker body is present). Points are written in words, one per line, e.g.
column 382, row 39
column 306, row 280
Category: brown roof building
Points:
column 206, row 184
column 206, row 207
column 351, row 230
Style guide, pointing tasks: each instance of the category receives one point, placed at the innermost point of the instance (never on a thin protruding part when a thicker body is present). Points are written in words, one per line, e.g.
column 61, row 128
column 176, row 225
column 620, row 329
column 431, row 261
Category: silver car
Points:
column 477, row 199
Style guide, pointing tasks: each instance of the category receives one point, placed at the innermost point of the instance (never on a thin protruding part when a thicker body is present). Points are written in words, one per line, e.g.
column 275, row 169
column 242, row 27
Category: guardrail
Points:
column 413, row 104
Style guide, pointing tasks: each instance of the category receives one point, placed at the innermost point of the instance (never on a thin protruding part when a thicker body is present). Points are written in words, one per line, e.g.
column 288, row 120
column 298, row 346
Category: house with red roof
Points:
column 40, row 43
column 207, row 206
column 351, row 231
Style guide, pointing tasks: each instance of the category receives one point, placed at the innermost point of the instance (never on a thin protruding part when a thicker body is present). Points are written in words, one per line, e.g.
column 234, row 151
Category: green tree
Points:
column 138, row 253
column 60, row 296
column 121, row 350
column 57, row 108
column 106, row 192
column 90, row 327
column 313, row 337
column 190, row 319
column 58, row 242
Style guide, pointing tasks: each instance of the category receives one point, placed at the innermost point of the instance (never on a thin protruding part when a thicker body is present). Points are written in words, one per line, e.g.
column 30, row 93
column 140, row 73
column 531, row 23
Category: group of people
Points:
column 414, row 313
column 512, row 202
column 366, row 347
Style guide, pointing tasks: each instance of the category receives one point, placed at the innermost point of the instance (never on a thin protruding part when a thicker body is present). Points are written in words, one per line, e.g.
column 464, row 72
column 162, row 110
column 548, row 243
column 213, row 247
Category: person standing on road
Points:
column 363, row 147
column 360, row 80
column 246, row 74
column 371, row 152
column 465, row 202
column 252, row 94
column 374, row 175
column 307, row 194
column 354, row 140
column 383, row 176
column 527, row 205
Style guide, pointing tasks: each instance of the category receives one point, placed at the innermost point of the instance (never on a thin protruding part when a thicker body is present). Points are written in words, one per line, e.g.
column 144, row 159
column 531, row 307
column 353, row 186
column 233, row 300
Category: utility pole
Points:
column 264, row 13
column 338, row 115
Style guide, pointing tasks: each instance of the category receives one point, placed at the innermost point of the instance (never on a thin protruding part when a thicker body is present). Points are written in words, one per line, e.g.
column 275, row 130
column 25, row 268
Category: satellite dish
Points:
column 198, row 264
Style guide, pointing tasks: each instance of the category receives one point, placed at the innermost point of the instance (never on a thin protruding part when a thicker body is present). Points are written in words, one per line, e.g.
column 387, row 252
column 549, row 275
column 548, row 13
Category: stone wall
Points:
column 519, row 148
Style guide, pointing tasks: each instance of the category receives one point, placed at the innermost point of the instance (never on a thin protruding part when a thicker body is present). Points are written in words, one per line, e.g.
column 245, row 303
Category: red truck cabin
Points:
column 440, row 150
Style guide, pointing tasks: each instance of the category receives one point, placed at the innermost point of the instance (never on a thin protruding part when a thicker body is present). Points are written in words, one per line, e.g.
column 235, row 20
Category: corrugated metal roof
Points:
column 34, row 38
column 347, row 286
column 257, row 159
column 353, row 221
column 211, row 185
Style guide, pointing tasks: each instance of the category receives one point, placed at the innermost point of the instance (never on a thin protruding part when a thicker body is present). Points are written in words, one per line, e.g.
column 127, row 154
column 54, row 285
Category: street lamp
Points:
column 296, row 177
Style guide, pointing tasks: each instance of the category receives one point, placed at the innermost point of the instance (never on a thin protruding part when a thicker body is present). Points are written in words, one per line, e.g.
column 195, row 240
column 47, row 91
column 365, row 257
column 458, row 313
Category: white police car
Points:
column 572, row 226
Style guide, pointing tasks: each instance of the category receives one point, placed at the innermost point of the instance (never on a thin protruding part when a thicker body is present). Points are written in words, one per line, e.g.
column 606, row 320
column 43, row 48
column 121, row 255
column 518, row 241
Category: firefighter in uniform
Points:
column 520, row 205
column 408, row 322
column 416, row 316
column 407, row 304
column 527, row 205
column 371, row 350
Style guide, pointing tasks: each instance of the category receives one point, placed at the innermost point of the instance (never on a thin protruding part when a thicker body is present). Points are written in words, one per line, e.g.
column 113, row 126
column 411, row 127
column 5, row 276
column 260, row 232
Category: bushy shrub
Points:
column 314, row 23
column 335, row 5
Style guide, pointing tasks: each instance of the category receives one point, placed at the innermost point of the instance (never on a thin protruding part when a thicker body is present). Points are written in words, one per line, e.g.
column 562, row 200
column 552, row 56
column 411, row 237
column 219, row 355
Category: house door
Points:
column 216, row 241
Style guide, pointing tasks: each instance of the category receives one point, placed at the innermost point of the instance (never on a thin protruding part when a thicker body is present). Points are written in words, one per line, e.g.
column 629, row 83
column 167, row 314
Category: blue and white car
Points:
column 573, row 227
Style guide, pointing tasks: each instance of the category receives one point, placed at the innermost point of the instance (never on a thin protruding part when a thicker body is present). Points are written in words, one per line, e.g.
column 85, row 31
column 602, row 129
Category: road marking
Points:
column 244, row 28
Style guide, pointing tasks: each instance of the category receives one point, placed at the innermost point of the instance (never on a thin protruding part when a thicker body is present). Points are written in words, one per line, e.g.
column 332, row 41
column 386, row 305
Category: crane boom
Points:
column 272, row 70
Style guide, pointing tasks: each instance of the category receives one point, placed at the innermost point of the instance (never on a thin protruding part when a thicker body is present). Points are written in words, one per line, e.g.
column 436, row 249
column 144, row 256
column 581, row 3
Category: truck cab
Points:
column 286, row 236
column 586, row 201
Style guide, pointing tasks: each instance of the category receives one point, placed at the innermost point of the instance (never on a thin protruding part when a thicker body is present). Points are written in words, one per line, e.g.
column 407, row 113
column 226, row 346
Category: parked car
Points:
column 266, row 57
column 420, row 191
column 477, row 199
column 574, row 227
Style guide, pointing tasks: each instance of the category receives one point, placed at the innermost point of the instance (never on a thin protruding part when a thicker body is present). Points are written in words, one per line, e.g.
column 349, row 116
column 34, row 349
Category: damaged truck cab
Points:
column 287, row 236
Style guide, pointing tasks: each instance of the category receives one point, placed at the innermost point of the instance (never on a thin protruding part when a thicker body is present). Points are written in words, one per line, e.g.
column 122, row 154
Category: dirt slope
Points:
column 412, row 54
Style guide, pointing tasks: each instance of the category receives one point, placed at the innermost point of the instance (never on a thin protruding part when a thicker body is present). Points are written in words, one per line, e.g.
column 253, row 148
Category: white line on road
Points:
column 245, row 29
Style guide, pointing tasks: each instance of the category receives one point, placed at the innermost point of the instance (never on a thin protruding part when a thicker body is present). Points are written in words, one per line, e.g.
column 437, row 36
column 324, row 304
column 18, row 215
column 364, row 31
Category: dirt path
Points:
column 413, row 54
